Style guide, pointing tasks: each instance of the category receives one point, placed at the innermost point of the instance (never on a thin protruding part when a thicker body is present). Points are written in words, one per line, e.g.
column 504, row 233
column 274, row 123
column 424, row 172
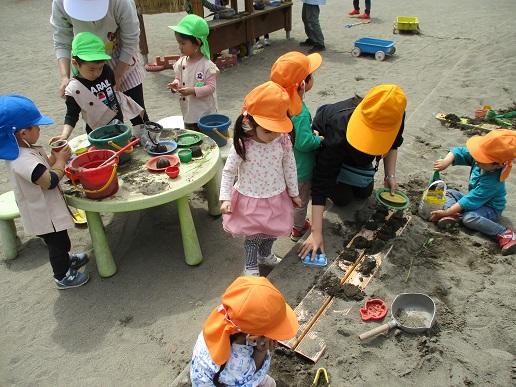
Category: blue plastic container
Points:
column 378, row 47
column 216, row 126
column 320, row 260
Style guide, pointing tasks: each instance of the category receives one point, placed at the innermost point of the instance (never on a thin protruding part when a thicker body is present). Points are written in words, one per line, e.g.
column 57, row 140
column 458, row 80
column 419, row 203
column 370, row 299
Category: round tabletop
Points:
column 140, row 188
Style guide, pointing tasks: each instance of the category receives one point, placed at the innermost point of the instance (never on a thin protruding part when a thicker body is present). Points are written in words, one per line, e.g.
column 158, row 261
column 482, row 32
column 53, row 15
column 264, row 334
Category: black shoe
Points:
column 306, row 43
column 316, row 48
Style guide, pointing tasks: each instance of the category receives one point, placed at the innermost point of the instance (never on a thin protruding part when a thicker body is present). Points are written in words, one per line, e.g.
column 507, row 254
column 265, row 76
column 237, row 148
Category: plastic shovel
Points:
column 411, row 312
column 120, row 151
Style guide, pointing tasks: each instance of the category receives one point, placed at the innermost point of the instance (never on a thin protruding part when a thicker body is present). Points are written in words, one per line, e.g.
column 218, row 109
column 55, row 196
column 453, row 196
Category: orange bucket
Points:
column 97, row 182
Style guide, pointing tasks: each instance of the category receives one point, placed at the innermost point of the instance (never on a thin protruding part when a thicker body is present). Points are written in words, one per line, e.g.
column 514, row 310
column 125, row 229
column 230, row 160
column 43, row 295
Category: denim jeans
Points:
column 483, row 219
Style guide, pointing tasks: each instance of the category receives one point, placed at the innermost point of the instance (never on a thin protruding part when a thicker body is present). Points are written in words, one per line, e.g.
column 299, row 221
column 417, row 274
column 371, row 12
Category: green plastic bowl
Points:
column 389, row 204
column 185, row 155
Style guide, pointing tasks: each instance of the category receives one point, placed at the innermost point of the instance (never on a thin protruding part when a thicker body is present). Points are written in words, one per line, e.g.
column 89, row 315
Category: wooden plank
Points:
column 314, row 346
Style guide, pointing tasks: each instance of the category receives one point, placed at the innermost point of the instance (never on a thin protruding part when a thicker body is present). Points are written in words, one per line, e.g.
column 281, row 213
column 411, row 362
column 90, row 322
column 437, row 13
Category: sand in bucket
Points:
column 97, row 182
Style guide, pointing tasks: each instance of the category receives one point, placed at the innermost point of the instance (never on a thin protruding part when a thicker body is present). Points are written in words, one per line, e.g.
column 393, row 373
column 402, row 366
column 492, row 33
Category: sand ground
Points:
column 138, row 327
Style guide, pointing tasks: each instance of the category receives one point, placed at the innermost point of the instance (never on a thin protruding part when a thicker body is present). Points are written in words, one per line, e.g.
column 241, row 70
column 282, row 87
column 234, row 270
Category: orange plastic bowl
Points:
column 172, row 171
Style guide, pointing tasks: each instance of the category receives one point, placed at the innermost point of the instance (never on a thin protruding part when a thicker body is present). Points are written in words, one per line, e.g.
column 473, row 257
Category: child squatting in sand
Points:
column 490, row 158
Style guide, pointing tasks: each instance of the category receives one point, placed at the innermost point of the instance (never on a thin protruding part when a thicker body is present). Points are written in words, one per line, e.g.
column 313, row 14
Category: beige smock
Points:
column 42, row 210
column 194, row 75
column 94, row 112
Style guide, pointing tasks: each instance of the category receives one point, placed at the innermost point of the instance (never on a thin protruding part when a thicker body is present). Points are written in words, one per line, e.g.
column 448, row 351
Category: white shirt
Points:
column 268, row 170
column 42, row 210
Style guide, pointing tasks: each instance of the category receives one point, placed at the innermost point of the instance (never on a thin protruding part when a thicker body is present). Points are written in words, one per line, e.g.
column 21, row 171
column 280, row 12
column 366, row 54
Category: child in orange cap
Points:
column 490, row 158
column 234, row 346
column 259, row 205
column 294, row 72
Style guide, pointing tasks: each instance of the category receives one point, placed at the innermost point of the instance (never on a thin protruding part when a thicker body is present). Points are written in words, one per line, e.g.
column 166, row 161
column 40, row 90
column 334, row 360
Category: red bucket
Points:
column 97, row 182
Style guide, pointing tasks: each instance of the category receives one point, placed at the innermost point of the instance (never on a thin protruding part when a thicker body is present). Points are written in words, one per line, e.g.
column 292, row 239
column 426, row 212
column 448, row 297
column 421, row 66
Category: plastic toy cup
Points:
column 172, row 172
column 58, row 145
column 185, row 155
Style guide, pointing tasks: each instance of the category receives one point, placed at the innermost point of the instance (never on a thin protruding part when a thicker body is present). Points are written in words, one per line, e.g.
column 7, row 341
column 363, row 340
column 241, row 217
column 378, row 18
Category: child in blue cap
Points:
column 35, row 178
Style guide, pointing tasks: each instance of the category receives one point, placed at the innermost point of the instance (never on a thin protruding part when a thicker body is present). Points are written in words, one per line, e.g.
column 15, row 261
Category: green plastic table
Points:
column 140, row 189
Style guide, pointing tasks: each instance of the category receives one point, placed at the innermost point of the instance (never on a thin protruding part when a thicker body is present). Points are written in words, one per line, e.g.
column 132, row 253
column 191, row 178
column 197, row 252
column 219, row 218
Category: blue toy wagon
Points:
column 377, row 47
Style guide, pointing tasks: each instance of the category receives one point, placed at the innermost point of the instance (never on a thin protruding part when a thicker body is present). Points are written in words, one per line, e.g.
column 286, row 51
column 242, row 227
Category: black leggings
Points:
column 59, row 245
column 356, row 5
column 343, row 194
column 136, row 93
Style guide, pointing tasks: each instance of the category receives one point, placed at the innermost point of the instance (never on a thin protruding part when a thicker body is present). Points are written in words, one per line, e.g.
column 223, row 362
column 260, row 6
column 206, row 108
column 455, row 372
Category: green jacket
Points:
column 305, row 144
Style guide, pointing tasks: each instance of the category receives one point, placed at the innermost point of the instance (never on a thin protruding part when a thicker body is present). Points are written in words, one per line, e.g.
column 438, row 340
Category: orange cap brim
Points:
column 474, row 147
column 363, row 138
column 315, row 61
column 279, row 126
column 287, row 329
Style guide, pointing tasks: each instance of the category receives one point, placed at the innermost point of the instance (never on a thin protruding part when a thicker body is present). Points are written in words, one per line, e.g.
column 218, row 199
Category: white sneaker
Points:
column 252, row 272
column 266, row 42
column 258, row 45
column 271, row 260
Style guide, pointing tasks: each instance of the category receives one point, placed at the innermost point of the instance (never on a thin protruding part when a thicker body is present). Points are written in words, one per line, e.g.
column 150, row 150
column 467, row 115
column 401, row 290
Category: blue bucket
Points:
column 216, row 126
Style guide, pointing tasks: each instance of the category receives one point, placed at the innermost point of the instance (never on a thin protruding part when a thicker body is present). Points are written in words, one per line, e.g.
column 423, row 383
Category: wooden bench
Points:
column 8, row 212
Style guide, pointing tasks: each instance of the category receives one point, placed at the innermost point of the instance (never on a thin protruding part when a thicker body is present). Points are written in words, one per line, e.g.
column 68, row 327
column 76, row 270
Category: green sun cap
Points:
column 197, row 27
column 89, row 47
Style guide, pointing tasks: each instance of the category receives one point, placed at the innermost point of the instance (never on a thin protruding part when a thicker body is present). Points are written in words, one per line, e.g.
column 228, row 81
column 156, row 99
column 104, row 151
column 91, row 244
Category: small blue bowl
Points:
column 171, row 147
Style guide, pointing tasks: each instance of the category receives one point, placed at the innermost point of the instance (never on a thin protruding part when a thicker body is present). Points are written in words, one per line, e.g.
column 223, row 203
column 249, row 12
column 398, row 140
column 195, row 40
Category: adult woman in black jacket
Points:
column 357, row 134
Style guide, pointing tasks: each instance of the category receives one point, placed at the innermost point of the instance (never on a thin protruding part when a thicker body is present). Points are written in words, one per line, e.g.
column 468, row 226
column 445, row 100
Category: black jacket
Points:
column 331, row 121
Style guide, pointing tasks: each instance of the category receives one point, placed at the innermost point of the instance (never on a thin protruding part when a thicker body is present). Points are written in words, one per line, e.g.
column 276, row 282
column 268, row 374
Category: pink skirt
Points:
column 272, row 216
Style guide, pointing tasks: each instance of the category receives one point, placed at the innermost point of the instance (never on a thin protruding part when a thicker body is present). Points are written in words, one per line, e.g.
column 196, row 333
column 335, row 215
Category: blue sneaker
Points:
column 72, row 279
column 78, row 260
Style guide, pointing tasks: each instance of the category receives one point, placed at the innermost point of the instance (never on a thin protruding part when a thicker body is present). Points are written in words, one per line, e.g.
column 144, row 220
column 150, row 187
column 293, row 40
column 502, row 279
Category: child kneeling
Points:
column 490, row 158
column 234, row 347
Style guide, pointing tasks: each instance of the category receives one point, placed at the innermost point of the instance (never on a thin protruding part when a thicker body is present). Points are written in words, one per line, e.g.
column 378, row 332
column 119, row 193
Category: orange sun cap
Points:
column 249, row 305
column 376, row 121
column 290, row 70
column 268, row 105
column 498, row 146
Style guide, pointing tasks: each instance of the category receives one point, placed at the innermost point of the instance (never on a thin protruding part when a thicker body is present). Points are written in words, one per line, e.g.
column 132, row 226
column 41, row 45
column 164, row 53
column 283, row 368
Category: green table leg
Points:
column 9, row 239
column 212, row 193
column 105, row 263
column 192, row 249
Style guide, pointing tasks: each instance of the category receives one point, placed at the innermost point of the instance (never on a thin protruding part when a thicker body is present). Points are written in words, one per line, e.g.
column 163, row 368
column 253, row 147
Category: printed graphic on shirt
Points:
column 104, row 92
column 199, row 76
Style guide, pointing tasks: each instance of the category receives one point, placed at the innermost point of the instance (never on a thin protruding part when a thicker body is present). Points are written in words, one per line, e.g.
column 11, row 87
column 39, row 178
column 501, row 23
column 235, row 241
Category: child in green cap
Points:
column 91, row 92
column 196, row 75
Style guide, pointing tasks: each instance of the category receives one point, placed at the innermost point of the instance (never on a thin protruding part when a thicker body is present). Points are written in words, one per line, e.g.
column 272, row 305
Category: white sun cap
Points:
column 86, row 10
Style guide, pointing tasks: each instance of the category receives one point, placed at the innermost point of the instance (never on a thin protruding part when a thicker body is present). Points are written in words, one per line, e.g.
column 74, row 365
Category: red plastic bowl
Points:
column 172, row 172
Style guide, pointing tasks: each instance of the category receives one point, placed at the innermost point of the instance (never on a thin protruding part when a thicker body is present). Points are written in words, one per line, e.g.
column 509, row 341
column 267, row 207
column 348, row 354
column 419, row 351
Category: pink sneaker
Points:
column 364, row 16
column 296, row 233
column 507, row 242
column 354, row 12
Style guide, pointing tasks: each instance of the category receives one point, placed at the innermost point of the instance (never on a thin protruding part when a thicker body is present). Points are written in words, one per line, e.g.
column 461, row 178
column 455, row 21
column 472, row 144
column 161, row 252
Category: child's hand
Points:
column 436, row 215
column 316, row 133
column 63, row 154
column 441, row 164
column 56, row 138
column 225, row 207
column 173, row 86
column 297, row 201
column 185, row 91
